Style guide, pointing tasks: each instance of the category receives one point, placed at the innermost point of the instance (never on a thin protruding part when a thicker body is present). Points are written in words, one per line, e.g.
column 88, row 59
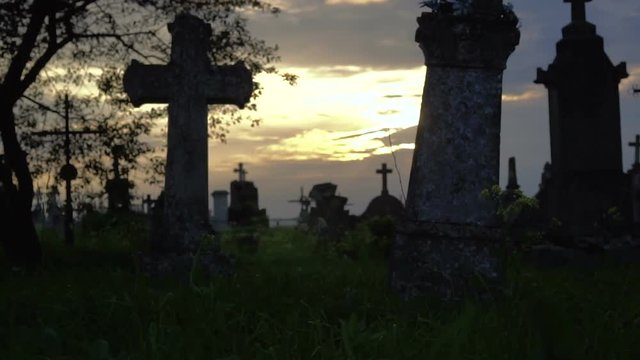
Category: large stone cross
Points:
column 384, row 171
column 188, row 84
column 578, row 9
column 636, row 145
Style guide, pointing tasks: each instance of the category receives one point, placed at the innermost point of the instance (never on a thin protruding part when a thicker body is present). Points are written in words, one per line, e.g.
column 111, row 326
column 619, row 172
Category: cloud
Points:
column 336, row 145
column 528, row 95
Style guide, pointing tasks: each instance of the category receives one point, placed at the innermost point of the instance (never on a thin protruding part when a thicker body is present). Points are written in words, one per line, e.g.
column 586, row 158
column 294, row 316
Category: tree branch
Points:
column 23, row 54
column 39, row 64
column 44, row 106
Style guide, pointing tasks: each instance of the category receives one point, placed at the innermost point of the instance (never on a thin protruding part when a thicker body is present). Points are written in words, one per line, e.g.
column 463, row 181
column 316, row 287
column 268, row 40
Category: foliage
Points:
column 517, row 214
column 513, row 207
column 80, row 47
column 467, row 8
column 287, row 303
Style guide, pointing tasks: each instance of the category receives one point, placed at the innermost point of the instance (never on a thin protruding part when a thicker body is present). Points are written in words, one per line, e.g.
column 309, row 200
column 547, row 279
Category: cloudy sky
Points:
column 357, row 100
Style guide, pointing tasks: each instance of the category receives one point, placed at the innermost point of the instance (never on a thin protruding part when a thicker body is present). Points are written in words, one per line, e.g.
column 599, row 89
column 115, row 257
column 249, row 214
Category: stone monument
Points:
column 244, row 209
column 188, row 84
column 384, row 204
column 448, row 239
column 329, row 210
column 117, row 188
column 586, row 179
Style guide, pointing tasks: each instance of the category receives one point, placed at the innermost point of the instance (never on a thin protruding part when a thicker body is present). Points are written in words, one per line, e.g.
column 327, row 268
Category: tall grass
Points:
column 289, row 302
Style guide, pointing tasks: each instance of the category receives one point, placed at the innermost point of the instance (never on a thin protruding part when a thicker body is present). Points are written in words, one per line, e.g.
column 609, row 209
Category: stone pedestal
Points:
column 448, row 236
column 220, row 210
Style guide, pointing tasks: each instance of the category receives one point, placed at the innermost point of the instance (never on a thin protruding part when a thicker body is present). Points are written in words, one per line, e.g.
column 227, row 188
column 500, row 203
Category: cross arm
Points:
column 147, row 84
column 228, row 84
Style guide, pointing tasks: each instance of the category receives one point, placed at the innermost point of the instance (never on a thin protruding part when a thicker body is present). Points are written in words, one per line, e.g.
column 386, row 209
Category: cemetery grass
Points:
column 290, row 301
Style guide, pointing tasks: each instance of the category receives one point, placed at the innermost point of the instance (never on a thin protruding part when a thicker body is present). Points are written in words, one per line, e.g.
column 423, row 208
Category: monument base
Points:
column 449, row 262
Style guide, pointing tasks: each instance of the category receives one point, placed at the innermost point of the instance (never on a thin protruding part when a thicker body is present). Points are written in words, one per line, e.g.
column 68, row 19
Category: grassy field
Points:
column 288, row 301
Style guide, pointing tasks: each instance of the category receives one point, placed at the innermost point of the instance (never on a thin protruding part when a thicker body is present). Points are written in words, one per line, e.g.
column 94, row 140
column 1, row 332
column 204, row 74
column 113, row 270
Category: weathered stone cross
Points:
column 636, row 145
column 384, row 171
column 188, row 83
column 242, row 173
column 578, row 9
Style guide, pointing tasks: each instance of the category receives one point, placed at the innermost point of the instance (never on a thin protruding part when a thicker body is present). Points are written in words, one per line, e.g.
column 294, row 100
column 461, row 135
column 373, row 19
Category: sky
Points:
column 357, row 101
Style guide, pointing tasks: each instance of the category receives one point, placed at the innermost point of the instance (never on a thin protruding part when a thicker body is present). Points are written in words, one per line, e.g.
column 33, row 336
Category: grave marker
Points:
column 188, row 84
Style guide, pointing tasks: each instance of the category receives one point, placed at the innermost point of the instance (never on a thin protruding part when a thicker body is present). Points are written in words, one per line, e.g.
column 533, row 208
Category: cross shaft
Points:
column 241, row 172
column 384, row 171
column 578, row 10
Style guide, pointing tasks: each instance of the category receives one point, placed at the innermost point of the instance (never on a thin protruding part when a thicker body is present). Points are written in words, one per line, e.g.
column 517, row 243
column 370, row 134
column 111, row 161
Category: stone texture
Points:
column 448, row 261
column 458, row 139
column 447, row 242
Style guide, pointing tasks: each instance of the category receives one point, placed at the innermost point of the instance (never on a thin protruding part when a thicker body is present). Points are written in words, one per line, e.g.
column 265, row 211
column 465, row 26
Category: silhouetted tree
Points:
column 44, row 41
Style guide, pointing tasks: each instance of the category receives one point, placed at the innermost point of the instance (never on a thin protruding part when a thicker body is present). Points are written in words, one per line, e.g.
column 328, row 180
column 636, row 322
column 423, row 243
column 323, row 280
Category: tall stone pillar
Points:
column 584, row 127
column 448, row 235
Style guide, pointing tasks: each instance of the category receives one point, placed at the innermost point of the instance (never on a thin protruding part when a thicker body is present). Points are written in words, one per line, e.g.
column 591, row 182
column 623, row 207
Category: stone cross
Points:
column 68, row 172
column 242, row 173
column 384, row 171
column 636, row 145
column 512, row 183
column 578, row 10
column 188, row 84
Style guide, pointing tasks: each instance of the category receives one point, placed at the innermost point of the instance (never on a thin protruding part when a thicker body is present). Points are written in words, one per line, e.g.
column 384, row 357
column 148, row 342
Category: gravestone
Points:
column 587, row 179
column 384, row 205
column 512, row 180
column 329, row 210
column 188, row 84
column 448, row 238
column 117, row 188
column 244, row 209
column 220, row 210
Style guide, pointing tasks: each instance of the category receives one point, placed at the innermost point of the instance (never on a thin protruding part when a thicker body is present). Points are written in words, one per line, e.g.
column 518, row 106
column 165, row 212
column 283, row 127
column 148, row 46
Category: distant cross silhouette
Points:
column 242, row 173
column 384, row 171
column 68, row 172
column 636, row 145
column 578, row 9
